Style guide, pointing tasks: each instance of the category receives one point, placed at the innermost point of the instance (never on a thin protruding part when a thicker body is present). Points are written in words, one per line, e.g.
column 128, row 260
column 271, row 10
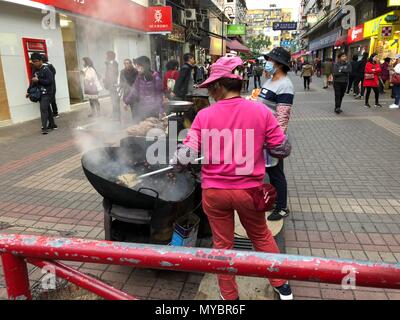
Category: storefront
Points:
column 168, row 47
column 356, row 41
column 384, row 35
column 323, row 47
column 84, row 29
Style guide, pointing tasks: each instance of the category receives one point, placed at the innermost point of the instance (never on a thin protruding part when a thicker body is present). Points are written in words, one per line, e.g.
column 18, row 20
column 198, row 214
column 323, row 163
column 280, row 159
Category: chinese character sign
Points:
column 159, row 19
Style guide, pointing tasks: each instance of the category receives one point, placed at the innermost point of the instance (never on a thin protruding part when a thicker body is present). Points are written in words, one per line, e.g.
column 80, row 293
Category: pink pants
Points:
column 219, row 206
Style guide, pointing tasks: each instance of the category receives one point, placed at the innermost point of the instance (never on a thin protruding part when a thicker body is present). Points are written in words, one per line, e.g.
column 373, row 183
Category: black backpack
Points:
column 34, row 94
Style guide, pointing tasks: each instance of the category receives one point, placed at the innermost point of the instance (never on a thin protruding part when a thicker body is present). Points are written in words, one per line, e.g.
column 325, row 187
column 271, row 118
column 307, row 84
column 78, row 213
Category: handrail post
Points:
column 16, row 277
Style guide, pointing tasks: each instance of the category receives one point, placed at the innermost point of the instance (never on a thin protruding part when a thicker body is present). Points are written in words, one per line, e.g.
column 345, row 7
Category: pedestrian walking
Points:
column 327, row 71
column 53, row 70
column 111, row 84
column 127, row 78
column 353, row 75
column 307, row 73
column 246, row 77
column 40, row 90
column 396, row 87
column 318, row 67
column 371, row 80
column 170, row 78
column 92, row 86
column 341, row 73
column 385, row 76
column 147, row 91
column 258, row 71
column 227, row 187
column 277, row 94
column 361, row 75
column 184, row 86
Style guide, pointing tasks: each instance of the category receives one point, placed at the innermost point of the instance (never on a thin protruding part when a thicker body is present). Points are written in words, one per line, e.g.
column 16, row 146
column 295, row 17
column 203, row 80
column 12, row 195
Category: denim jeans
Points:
column 396, row 89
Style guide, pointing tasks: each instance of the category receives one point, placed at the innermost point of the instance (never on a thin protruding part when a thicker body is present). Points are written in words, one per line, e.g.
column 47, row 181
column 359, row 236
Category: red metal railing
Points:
column 18, row 250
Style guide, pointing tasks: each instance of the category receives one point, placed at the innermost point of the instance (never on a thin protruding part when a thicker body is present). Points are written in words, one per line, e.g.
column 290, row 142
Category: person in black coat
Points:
column 127, row 78
column 53, row 70
column 360, row 76
column 43, row 78
column 185, row 84
column 352, row 77
column 111, row 84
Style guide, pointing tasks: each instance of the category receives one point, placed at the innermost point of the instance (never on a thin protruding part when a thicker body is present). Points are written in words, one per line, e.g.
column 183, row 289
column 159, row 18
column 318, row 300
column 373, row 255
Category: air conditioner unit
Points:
column 190, row 14
column 182, row 17
column 160, row 2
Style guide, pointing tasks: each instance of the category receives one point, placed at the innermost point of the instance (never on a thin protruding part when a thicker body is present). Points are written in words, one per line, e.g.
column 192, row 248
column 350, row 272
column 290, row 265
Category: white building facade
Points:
column 67, row 37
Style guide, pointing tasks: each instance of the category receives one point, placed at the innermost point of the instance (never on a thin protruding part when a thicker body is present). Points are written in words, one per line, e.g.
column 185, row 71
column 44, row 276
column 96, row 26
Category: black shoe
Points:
column 378, row 105
column 367, row 106
column 54, row 127
column 56, row 115
column 44, row 132
column 278, row 214
column 338, row 111
column 285, row 292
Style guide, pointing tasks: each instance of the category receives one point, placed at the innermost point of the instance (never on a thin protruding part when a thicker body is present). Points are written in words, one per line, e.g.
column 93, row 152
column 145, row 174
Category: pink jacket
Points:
column 235, row 161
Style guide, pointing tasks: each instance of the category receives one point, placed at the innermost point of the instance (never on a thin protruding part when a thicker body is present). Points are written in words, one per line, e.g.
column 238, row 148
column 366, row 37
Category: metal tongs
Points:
column 150, row 174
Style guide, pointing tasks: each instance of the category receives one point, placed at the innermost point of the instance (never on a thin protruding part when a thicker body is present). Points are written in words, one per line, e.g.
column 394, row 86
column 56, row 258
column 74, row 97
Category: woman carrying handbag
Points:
column 92, row 86
column 371, row 80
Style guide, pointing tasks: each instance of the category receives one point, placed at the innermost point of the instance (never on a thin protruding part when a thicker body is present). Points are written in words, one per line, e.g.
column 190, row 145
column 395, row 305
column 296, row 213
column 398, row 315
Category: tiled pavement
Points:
column 43, row 191
column 343, row 181
column 344, row 187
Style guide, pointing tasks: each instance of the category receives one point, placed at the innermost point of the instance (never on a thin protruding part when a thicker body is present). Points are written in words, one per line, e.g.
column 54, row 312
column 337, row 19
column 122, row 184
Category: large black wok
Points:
column 103, row 166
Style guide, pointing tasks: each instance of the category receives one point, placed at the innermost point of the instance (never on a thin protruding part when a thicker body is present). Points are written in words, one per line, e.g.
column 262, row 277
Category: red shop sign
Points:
column 120, row 12
column 356, row 34
column 159, row 19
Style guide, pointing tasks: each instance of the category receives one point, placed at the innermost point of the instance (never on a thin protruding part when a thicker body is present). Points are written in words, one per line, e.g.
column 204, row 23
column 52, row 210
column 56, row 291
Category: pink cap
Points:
column 223, row 68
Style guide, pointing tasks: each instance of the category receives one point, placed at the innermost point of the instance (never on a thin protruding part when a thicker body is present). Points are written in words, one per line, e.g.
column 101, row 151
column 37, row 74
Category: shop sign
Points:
column 371, row 28
column 178, row 34
column 124, row 13
column 236, row 30
column 387, row 32
column 284, row 26
column 393, row 3
column 159, row 19
column 355, row 34
column 392, row 18
column 325, row 41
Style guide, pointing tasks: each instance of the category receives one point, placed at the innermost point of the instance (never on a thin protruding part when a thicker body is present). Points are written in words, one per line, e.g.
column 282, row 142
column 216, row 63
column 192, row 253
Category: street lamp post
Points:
column 223, row 26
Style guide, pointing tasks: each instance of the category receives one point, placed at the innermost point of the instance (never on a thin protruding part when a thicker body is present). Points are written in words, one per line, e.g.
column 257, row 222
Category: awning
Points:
column 299, row 54
column 341, row 41
column 237, row 46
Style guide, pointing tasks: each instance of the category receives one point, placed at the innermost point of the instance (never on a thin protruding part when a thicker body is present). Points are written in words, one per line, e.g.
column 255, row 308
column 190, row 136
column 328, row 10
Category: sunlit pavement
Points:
column 344, row 188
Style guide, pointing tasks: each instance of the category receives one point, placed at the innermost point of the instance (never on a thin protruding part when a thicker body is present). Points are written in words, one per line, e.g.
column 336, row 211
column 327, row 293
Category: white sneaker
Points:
column 394, row 106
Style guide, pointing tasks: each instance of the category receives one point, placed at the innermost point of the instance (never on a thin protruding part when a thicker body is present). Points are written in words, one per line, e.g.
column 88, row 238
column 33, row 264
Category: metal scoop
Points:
column 150, row 174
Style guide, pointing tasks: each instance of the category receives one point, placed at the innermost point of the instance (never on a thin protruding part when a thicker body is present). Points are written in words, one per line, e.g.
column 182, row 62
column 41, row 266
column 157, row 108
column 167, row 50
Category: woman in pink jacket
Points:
column 371, row 80
column 232, row 135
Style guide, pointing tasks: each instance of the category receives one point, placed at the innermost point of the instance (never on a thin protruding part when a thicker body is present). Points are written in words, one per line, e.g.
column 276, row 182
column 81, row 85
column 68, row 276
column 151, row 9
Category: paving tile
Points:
column 329, row 294
column 366, row 295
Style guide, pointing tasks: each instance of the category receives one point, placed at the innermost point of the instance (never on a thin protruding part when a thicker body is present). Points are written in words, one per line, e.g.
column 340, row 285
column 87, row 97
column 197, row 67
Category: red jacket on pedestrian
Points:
column 374, row 69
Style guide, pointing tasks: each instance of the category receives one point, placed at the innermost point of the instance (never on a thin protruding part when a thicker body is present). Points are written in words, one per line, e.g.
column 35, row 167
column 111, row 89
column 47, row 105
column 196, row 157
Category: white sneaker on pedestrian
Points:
column 285, row 292
column 394, row 106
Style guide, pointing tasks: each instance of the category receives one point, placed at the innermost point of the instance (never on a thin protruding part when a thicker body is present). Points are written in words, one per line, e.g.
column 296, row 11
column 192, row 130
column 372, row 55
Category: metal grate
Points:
column 243, row 244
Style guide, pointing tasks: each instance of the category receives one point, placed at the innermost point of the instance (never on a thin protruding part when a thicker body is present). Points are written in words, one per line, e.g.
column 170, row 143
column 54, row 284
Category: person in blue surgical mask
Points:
column 277, row 94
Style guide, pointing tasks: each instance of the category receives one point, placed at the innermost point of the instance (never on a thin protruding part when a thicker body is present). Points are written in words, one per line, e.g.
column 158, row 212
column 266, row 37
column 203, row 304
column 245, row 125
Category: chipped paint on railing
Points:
column 245, row 263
